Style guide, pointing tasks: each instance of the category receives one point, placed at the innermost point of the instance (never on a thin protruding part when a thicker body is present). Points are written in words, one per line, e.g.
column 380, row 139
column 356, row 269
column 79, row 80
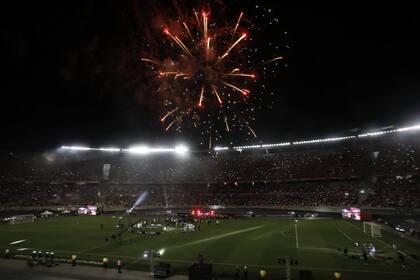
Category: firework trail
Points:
column 251, row 130
column 168, row 114
column 237, row 24
column 151, row 61
column 272, row 60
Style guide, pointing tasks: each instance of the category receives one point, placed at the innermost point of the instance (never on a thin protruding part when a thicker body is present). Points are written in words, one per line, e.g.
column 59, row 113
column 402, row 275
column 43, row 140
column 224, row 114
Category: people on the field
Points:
column 372, row 250
column 245, row 273
column 119, row 266
column 365, row 258
column 52, row 258
column 73, row 260
column 34, row 255
column 200, row 258
column 39, row 256
column 337, row 275
column 237, row 271
column 263, row 274
column 7, row 253
column 105, row 262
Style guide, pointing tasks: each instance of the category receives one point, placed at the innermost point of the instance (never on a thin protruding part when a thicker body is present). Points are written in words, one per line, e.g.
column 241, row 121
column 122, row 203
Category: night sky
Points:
column 69, row 73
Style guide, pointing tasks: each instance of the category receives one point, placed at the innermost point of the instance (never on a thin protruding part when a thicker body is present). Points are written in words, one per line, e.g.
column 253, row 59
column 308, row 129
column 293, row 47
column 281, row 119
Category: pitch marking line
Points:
column 345, row 235
column 215, row 237
column 273, row 232
column 297, row 238
column 264, row 235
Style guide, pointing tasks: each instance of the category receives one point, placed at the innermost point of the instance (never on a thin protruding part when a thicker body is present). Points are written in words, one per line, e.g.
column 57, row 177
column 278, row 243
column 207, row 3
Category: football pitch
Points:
column 257, row 243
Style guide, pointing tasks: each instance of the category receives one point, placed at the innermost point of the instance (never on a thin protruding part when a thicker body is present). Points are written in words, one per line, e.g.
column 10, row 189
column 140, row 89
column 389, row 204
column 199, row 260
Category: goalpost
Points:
column 372, row 229
column 21, row 219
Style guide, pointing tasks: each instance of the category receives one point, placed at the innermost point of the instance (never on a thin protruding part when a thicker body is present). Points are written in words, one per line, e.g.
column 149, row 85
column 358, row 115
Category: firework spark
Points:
column 168, row 114
column 171, row 123
column 251, row 130
column 244, row 91
column 178, row 41
column 227, row 124
column 237, row 24
column 200, row 103
column 272, row 60
column 241, row 75
column 217, row 94
column 151, row 61
column 188, row 31
column 231, row 47
column 197, row 18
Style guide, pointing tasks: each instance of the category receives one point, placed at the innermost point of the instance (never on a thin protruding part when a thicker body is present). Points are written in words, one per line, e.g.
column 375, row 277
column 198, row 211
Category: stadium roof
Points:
column 182, row 149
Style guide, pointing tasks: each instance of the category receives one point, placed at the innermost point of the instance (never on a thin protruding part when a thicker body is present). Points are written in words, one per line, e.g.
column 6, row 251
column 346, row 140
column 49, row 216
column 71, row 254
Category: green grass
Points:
column 255, row 242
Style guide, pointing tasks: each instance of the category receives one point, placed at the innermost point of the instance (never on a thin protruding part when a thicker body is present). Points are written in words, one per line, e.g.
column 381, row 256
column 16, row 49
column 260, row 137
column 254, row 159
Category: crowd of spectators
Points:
column 388, row 192
column 376, row 173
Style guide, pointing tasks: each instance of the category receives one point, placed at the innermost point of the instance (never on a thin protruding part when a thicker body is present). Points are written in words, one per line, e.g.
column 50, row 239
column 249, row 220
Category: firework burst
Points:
column 206, row 77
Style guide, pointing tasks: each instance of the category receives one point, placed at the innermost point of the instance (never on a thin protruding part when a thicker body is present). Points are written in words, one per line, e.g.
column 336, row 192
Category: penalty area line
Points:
column 216, row 237
column 345, row 235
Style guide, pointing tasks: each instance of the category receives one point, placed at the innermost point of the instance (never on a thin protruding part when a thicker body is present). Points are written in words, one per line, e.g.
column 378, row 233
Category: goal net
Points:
column 372, row 229
column 21, row 219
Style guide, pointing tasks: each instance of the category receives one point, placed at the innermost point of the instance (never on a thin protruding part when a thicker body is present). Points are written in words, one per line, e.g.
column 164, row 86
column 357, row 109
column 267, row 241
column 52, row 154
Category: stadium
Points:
column 248, row 206
column 209, row 139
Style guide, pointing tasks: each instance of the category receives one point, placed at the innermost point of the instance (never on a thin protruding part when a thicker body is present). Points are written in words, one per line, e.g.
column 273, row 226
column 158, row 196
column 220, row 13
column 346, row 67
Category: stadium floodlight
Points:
column 414, row 127
column 220, row 148
column 375, row 133
column 161, row 150
column 402, row 129
column 142, row 150
column 109, row 149
column 264, row 146
column 275, row 145
column 75, row 148
column 181, row 149
column 331, row 139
